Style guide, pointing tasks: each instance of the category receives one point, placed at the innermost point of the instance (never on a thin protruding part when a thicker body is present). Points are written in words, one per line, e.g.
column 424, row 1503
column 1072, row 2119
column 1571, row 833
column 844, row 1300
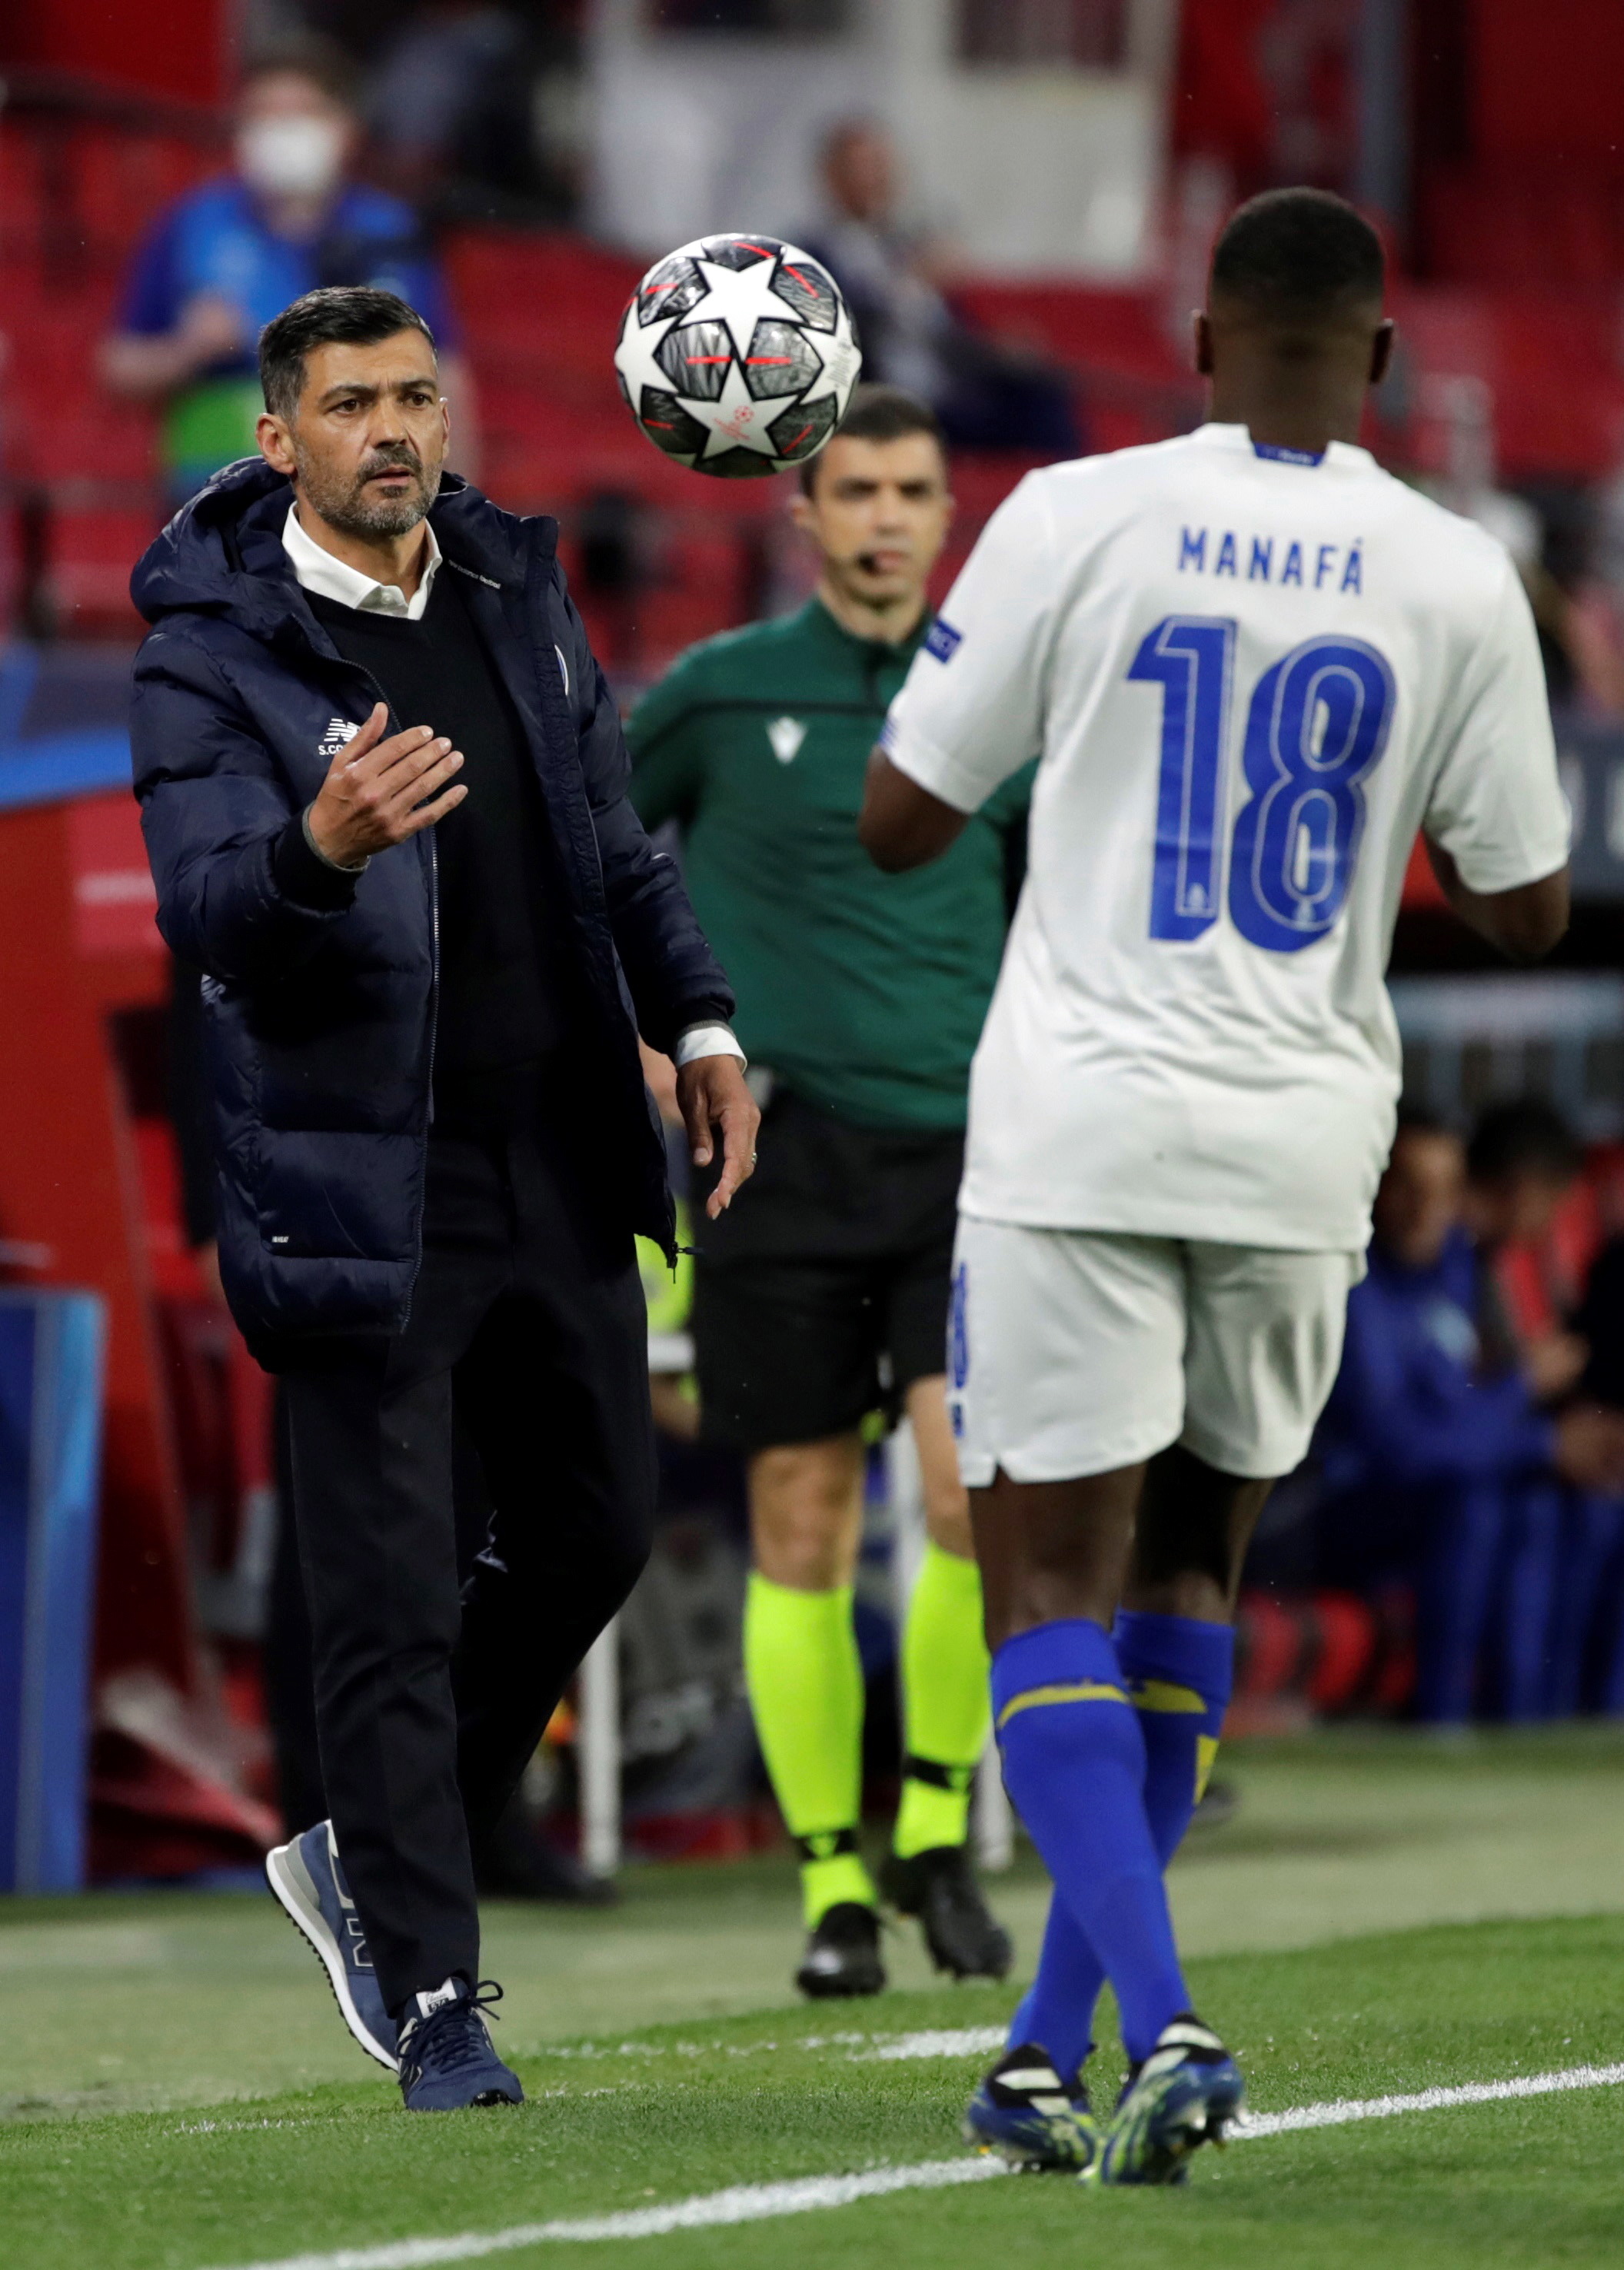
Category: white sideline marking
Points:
column 745, row 2203
column 1425, row 2100
column 761, row 2202
column 968, row 2041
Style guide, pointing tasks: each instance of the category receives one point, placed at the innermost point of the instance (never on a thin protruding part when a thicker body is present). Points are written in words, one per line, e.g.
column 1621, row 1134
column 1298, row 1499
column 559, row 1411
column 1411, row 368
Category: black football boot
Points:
column 842, row 1954
column 940, row 1888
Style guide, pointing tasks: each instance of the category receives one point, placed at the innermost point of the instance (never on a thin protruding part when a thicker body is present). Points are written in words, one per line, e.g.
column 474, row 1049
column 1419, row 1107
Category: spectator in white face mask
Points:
column 233, row 253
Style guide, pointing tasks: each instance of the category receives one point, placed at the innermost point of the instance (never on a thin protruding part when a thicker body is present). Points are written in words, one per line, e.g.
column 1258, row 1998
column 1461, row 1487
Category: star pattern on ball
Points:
column 738, row 420
column 741, row 412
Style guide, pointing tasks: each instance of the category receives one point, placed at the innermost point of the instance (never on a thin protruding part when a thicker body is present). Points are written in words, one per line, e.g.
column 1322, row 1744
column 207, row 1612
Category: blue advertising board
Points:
column 51, row 1455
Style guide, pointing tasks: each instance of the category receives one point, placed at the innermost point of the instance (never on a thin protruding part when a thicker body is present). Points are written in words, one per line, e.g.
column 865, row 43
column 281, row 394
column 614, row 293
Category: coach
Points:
column 383, row 790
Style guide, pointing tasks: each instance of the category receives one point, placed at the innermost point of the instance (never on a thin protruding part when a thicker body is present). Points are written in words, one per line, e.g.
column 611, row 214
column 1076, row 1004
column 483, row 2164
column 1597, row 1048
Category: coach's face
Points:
column 879, row 512
column 367, row 438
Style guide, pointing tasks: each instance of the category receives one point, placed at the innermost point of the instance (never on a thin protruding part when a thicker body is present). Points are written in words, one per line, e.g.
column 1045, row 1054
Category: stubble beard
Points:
column 353, row 510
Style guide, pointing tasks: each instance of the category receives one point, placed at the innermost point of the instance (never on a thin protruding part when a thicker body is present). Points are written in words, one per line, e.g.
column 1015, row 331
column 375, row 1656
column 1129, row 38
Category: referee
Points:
column 823, row 1293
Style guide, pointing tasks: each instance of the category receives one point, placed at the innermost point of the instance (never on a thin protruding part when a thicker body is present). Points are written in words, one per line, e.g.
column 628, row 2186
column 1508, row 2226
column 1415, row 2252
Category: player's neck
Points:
column 888, row 621
column 397, row 559
column 1308, row 420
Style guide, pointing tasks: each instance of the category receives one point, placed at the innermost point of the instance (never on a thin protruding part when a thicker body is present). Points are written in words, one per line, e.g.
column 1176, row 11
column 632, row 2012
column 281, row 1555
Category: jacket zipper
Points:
column 434, row 990
column 433, row 983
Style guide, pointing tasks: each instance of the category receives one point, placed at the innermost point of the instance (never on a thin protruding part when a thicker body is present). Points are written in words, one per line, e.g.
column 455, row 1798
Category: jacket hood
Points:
column 222, row 552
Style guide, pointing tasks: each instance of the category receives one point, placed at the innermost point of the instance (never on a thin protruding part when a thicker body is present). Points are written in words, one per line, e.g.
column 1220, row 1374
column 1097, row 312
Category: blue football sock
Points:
column 1058, row 2012
column 1179, row 1674
column 1074, row 1766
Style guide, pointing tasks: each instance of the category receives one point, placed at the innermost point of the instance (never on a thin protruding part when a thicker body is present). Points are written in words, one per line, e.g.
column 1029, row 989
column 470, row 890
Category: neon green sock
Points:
column 806, row 1684
column 947, row 1706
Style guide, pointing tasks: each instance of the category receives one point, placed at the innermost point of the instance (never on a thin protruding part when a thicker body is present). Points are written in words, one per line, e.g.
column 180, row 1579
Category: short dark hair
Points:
column 1528, row 1137
column 1298, row 254
column 306, row 56
column 879, row 414
column 357, row 315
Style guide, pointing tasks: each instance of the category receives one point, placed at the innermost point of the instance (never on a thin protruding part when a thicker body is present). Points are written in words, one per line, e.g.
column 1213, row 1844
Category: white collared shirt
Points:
column 318, row 570
column 321, row 571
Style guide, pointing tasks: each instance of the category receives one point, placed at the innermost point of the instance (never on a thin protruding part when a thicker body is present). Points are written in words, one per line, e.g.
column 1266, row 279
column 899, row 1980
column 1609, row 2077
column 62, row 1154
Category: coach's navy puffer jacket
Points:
column 321, row 1024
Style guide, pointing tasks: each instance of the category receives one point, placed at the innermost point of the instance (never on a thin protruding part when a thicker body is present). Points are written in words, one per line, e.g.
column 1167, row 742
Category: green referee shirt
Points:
column 863, row 992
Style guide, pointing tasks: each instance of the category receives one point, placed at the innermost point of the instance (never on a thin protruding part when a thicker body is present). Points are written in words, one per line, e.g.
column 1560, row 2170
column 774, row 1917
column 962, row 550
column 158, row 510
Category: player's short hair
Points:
column 1298, row 254
column 355, row 314
column 306, row 54
column 879, row 414
column 1529, row 1137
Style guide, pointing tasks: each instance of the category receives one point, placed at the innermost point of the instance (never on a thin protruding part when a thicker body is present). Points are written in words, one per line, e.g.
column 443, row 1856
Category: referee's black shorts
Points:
column 821, row 1294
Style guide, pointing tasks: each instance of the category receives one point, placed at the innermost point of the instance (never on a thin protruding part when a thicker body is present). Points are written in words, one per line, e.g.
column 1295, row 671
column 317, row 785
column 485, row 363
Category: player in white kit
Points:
column 1253, row 666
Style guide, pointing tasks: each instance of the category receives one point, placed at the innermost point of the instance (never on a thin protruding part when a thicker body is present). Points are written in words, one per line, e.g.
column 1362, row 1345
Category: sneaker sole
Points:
column 487, row 2101
column 993, row 1964
column 285, row 1874
column 1169, row 2154
column 1022, row 2159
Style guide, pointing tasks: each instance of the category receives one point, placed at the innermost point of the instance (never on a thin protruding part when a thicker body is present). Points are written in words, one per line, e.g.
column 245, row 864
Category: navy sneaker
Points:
column 1030, row 2116
column 307, row 1878
column 1185, row 2095
column 447, row 2062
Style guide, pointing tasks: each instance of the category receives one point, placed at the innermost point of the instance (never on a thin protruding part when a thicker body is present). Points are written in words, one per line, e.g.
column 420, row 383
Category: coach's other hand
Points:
column 378, row 792
column 711, row 1095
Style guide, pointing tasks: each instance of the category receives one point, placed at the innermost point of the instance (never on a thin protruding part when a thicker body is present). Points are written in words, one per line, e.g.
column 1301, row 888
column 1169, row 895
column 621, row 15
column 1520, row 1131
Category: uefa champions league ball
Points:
column 737, row 356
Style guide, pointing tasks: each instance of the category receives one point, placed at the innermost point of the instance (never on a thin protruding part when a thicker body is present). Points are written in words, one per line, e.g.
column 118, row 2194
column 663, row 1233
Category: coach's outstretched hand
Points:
column 378, row 792
column 712, row 1097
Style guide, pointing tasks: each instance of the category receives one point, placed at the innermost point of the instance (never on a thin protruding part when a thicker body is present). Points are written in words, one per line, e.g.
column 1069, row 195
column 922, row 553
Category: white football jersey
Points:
column 1250, row 677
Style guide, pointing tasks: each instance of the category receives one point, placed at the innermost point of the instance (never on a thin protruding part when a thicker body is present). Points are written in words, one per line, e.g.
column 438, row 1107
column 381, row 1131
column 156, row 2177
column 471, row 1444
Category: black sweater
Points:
column 501, row 998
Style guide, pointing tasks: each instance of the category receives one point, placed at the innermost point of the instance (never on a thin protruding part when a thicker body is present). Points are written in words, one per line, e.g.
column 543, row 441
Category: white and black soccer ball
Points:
column 737, row 356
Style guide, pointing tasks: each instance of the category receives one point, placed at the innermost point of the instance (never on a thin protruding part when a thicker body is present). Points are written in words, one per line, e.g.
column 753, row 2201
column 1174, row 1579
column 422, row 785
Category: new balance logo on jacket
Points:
column 339, row 730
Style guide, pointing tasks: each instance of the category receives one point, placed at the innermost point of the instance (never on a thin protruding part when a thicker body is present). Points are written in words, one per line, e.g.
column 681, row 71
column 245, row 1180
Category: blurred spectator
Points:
column 1521, row 1163
column 434, row 77
column 1461, row 408
column 1600, row 1324
column 1435, row 1455
column 1599, row 604
column 986, row 397
column 233, row 253
column 468, row 107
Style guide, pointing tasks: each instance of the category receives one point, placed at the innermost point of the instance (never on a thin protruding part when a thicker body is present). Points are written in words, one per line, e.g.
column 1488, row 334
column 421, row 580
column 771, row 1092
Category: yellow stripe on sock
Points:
column 1161, row 1695
column 1085, row 1690
column 1206, row 1750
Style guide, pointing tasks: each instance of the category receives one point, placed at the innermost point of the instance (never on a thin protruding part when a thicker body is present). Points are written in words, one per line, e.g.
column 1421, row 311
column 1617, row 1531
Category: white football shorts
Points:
column 1075, row 1351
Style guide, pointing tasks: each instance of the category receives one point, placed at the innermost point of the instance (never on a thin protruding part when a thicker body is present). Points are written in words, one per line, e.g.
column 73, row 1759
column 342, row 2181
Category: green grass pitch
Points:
column 176, row 2092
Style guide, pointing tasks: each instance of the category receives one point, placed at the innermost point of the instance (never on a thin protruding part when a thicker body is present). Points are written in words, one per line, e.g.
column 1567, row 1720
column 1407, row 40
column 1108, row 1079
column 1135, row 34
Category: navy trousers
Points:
column 529, row 1323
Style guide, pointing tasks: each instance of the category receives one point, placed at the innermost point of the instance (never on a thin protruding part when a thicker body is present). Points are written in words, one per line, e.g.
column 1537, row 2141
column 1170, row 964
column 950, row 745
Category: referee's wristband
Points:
column 706, row 1041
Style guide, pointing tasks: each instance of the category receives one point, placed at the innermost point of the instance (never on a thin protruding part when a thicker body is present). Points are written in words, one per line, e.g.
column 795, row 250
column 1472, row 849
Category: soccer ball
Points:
column 737, row 356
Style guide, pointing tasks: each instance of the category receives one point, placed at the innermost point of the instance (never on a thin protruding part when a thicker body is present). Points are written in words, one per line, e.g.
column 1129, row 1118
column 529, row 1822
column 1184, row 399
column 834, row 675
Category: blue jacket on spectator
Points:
column 322, row 1019
column 1412, row 1408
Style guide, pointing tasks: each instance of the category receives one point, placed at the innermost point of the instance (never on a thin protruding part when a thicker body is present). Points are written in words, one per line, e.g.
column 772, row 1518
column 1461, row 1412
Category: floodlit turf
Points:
column 686, row 2110
column 649, row 2112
